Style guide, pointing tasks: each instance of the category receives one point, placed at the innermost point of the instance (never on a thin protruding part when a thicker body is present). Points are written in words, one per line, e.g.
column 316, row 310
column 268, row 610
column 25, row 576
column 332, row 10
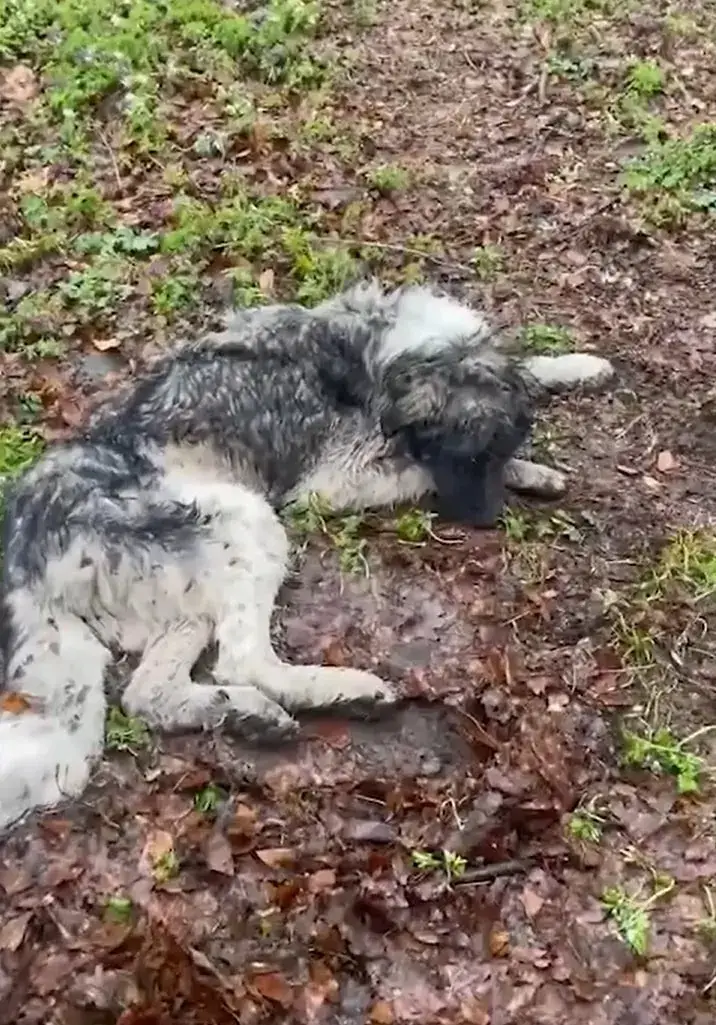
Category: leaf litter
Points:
column 298, row 897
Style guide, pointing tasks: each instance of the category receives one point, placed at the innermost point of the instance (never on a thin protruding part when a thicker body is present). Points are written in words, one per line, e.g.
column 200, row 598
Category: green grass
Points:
column 125, row 732
column 675, row 176
column 315, row 517
column 631, row 913
column 662, row 753
column 488, row 261
column 118, row 910
column 388, row 178
column 451, row 864
column 547, row 339
column 19, row 448
column 208, row 799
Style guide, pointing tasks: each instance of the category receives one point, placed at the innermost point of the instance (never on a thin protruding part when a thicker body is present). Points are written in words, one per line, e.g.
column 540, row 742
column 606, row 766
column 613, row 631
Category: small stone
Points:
column 571, row 371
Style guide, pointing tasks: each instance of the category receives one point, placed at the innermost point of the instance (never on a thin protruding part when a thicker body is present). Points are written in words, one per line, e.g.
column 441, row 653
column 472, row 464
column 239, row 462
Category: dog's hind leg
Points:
column 162, row 692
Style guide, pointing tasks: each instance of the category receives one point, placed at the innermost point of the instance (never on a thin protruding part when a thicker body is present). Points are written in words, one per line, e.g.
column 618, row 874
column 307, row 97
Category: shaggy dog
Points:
column 156, row 531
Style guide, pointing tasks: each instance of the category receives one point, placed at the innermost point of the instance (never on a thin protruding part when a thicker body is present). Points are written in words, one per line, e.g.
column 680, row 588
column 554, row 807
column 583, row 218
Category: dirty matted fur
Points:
column 156, row 531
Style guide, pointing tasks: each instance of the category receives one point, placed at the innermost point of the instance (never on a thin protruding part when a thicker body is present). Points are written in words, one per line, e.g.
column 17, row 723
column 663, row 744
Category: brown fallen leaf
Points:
column 243, row 822
column 33, row 182
column 277, row 857
column 159, row 845
column 12, row 933
column 272, row 986
column 323, row 879
column 499, row 942
column 381, row 1013
column 531, row 901
column 19, row 85
column 472, row 1012
column 217, row 852
column 105, row 344
column 665, row 462
column 14, row 703
column 266, row 281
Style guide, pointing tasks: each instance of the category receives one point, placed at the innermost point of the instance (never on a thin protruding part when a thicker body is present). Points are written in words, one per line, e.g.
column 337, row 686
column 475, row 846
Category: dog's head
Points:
column 461, row 414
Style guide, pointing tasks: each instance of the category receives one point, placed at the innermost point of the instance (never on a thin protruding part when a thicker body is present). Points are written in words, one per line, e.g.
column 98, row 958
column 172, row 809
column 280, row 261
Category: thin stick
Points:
column 497, row 870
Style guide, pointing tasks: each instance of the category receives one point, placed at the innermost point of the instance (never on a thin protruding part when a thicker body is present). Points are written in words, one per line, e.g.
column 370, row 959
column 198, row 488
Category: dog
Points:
column 157, row 531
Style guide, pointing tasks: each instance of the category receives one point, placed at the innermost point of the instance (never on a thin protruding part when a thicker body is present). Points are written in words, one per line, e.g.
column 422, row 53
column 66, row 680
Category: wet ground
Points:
column 312, row 883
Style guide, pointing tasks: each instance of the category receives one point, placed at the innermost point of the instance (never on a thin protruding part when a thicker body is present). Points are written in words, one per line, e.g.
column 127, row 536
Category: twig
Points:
column 115, row 166
column 392, row 247
column 497, row 870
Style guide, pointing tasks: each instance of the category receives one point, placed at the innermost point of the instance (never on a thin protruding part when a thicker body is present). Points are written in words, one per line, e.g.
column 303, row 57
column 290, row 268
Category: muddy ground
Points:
column 558, row 673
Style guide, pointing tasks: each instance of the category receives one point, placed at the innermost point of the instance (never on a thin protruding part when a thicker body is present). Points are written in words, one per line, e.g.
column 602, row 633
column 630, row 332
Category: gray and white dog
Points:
column 156, row 531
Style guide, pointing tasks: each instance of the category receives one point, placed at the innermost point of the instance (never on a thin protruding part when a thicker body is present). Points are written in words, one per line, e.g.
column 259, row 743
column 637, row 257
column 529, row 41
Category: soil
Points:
column 299, row 899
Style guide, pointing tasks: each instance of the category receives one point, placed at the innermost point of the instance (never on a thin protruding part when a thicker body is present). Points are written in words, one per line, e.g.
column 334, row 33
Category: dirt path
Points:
column 530, row 839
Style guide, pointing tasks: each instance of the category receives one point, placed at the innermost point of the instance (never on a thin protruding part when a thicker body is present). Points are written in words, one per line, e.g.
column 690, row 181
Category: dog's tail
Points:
column 51, row 710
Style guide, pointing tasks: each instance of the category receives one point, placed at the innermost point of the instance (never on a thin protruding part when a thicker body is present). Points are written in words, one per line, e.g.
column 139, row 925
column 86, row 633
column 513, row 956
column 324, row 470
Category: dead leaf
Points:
column 105, row 344
column 324, row 879
column 19, row 85
column 322, row 988
column 277, row 857
column 244, row 821
column 12, row 933
column 472, row 1012
column 531, row 901
column 33, row 182
column 218, row 854
column 71, row 414
column 665, row 462
column 158, row 846
column 499, row 942
column 266, row 281
column 381, row 1013
column 14, row 703
column 273, row 987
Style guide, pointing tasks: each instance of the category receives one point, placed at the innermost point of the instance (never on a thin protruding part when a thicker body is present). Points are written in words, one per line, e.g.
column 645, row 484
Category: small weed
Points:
column 415, row 526
column 175, row 293
column 123, row 241
column 586, row 824
column 675, row 176
column 315, row 516
column 566, row 13
column 118, row 910
column 125, row 732
column 165, row 866
column 488, row 261
column 349, row 545
column 631, row 916
column 632, row 637
column 688, row 561
column 569, row 68
column 318, row 271
column 521, row 528
column 453, row 865
column 208, row 799
column 19, row 448
column 389, row 178
column 662, row 753
column 645, row 79
column 550, row 339
column 98, row 289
